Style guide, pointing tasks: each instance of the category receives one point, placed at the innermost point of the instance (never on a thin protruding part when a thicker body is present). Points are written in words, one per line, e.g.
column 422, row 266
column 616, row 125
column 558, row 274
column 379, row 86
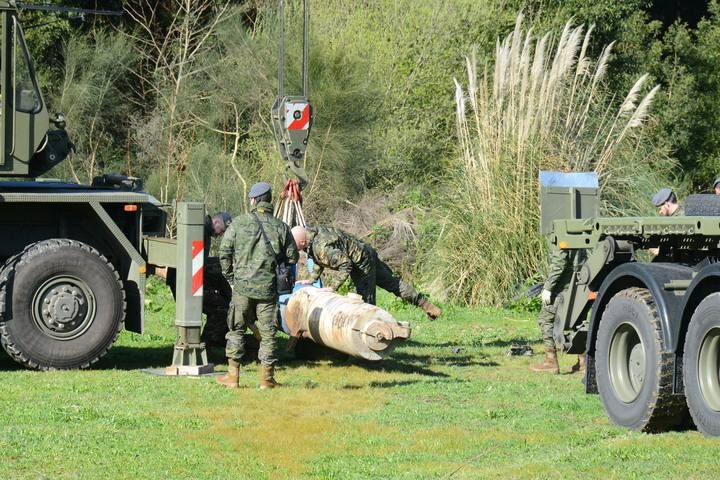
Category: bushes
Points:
column 95, row 101
column 544, row 106
column 381, row 82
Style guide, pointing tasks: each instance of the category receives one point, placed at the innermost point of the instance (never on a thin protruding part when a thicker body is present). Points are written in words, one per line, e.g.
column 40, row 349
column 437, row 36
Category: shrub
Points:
column 544, row 106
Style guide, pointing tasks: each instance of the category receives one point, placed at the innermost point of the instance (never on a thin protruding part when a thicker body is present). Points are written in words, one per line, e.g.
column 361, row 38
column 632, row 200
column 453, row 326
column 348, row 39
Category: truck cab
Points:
column 73, row 258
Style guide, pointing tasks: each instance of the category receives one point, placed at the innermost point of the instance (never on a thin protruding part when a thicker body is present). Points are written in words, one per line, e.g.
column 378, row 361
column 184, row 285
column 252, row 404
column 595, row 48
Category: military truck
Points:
column 650, row 324
column 74, row 257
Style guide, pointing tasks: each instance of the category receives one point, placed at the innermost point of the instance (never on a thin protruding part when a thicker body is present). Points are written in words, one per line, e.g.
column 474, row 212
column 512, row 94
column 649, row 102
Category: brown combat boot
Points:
column 430, row 310
column 267, row 377
column 580, row 365
column 232, row 378
column 550, row 364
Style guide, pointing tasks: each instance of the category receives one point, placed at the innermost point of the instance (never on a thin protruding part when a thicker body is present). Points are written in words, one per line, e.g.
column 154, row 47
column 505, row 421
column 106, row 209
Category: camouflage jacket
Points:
column 246, row 261
column 334, row 249
column 560, row 270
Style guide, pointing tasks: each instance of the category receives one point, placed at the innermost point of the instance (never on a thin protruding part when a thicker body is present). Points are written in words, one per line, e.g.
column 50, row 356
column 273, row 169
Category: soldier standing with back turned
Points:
column 249, row 265
column 559, row 276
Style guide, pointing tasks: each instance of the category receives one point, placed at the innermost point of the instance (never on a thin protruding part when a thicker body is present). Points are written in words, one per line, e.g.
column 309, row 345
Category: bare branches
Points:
column 173, row 60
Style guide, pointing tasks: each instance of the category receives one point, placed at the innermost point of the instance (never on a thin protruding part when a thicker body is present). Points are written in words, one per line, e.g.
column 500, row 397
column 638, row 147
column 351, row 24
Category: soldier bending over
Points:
column 337, row 250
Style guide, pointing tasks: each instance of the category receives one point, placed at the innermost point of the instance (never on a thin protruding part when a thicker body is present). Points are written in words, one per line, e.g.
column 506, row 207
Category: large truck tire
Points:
column 702, row 205
column 634, row 375
column 63, row 305
column 701, row 363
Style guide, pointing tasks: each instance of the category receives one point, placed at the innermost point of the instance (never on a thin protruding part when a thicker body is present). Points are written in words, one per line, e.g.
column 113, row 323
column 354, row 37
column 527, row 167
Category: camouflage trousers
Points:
column 216, row 302
column 376, row 273
column 546, row 321
column 244, row 311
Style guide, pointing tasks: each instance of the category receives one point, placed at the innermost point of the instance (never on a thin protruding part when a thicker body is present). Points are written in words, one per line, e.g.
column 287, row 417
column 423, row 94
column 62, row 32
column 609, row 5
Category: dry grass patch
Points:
column 288, row 427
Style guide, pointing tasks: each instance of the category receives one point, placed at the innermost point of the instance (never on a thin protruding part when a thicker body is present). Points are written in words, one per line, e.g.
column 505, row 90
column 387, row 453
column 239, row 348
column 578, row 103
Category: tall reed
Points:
column 544, row 106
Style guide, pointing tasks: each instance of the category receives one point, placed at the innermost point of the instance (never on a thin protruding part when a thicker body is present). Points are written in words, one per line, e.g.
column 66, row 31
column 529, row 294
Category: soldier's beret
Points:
column 259, row 189
column 715, row 183
column 662, row 196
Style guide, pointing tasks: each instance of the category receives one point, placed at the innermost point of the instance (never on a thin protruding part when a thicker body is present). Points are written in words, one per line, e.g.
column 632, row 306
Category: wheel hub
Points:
column 64, row 307
column 626, row 363
column 637, row 366
column 708, row 369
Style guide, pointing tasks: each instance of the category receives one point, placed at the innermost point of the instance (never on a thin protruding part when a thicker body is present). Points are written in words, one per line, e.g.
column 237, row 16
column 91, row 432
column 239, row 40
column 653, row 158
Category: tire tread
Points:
column 6, row 277
column 666, row 410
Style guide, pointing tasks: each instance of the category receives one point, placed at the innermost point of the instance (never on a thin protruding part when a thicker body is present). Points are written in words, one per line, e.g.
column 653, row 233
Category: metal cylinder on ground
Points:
column 344, row 323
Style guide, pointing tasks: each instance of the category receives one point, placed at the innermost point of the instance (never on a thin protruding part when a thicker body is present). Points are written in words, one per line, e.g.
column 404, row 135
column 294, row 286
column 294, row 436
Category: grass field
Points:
column 449, row 404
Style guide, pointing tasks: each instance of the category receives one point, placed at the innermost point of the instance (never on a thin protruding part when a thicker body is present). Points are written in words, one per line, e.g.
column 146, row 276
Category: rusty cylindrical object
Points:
column 346, row 324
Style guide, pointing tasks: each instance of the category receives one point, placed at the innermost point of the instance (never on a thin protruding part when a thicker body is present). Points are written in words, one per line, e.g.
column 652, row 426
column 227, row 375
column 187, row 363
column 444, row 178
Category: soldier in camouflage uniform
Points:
column 667, row 204
column 216, row 290
column 337, row 250
column 559, row 275
column 249, row 266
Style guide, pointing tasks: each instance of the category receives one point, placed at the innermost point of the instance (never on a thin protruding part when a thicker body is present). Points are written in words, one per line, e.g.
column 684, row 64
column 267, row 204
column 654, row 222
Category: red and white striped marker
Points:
column 302, row 122
column 197, row 267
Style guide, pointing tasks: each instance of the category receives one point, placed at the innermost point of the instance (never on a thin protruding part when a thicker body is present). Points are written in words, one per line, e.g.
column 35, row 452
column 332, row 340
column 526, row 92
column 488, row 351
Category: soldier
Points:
column 215, row 226
column 667, row 206
column 666, row 203
column 559, row 276
column 216, row 290
column 253, row 245
column 331, row 248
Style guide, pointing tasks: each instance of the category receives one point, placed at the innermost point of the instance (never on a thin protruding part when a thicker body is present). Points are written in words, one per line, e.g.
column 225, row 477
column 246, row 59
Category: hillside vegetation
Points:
column 179, row 92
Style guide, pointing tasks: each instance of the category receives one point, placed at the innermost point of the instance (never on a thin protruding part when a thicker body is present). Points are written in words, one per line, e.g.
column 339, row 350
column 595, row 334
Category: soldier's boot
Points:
column 430, row 310
column 267, row 377
column 549, row 364
column 232, row 378
column 580, row 365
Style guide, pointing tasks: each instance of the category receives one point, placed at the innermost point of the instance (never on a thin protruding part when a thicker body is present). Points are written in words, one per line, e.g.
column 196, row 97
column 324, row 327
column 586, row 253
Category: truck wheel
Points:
column 64, row 305
column 634, row 375
column 701, row 365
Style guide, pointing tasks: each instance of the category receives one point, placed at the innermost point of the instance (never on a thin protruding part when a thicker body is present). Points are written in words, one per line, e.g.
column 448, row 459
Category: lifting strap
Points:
column 289, row 206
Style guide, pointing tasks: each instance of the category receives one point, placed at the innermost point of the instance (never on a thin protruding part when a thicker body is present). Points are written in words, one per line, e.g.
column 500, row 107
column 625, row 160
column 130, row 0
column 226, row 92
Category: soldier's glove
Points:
column 546, row 297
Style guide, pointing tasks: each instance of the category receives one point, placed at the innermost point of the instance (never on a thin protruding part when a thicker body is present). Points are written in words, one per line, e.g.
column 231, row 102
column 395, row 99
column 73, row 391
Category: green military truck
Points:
column 74, row 257
column 650, row 324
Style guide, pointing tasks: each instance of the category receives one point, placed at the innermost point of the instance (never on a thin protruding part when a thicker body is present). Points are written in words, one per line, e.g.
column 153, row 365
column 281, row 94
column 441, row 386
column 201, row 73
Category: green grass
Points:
column 449, row 404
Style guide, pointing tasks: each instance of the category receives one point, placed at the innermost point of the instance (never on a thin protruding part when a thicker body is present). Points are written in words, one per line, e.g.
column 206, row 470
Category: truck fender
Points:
column 706, row 281
column 652, row 276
